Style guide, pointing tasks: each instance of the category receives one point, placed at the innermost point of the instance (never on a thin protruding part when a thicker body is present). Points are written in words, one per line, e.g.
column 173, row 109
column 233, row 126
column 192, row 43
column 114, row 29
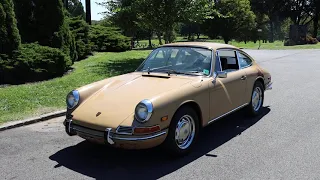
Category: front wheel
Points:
column 257, row 98
column 183, row 132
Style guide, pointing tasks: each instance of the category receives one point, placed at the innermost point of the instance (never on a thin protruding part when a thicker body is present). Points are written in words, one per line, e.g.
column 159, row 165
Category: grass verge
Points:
column 33, row 99
column 277, row 45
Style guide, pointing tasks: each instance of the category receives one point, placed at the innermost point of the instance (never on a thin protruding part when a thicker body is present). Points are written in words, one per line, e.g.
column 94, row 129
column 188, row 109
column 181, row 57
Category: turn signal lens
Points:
column 146, row 130
column 164, row 118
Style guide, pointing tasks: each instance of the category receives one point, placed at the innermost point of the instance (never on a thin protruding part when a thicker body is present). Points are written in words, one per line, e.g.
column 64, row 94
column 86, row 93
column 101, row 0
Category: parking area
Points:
column 282, row 143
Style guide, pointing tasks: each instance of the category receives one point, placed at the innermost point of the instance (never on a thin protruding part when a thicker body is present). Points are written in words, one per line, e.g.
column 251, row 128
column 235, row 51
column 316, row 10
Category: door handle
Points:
column 243, row 77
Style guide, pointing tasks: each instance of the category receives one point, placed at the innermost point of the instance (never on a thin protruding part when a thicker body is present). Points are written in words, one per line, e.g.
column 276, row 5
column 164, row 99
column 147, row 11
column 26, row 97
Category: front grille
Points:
column 124, row 130
column 87, row 131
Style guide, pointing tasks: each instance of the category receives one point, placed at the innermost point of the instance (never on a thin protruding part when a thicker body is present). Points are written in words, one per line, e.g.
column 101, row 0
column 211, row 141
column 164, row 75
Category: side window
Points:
column 244, row 60
column 228, row 60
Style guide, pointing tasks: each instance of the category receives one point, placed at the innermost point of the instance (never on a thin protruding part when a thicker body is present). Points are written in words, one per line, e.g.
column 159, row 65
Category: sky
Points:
column 95, row 9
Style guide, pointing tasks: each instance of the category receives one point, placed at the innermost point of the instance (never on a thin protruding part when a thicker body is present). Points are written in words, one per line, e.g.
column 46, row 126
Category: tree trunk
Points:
column 198, row 35
column 132, row 43
column 226, row 39
column 159, row 38
column 150, row 43
column 271, row 40
column 88, row 11
column 316, row 25
column 189, row 35
column 66, row 4
column 167, row 37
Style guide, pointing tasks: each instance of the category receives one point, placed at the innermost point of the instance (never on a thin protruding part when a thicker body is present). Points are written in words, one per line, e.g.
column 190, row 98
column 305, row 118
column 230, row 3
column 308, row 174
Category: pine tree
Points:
column 44, row 22
column 9, row 34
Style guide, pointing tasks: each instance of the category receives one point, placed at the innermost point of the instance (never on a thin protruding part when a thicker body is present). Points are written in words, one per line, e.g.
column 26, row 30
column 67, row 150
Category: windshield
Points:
column 179, row 59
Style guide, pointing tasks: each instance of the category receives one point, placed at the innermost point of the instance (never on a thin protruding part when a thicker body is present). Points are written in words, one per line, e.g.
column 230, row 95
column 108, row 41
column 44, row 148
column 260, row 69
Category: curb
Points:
column 15, row 124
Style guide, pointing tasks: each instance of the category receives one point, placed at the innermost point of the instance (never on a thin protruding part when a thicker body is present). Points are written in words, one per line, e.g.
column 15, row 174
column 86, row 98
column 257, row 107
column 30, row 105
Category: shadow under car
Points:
column 102, row 162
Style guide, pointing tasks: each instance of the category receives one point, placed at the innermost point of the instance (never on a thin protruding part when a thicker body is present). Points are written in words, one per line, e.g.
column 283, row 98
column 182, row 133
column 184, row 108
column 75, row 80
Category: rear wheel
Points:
column 257, row 98
column 183, row 132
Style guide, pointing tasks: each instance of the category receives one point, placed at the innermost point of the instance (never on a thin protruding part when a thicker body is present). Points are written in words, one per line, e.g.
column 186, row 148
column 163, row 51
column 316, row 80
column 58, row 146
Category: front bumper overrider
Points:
column 269, row 86
column 108, row 136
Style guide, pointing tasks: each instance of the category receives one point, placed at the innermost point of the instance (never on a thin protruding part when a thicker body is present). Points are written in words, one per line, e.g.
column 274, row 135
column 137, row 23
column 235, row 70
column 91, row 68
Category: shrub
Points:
column 65, row 40
column 80, row 30
column 108, row 39
column 311, row 40
column 45, row 22
column 33, row 62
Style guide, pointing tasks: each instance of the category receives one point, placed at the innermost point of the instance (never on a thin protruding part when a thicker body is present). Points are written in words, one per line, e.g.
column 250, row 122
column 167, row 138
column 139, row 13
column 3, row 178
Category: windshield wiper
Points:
column 199, row 73
column 171, row 71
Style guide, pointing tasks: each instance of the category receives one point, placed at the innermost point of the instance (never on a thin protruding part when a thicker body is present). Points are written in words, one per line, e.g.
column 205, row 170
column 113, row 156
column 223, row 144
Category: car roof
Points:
column 209, row 45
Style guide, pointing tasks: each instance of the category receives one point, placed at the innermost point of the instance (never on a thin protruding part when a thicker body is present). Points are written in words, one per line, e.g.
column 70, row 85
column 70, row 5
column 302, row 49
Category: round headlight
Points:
column 143, row 111
column 72, row 99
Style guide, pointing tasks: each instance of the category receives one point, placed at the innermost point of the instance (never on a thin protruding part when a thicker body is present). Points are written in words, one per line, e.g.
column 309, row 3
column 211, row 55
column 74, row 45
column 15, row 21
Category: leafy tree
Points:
column 9, row 34
column 272, row 8
column 163, row 15
column 159, row 16
column 190, row 29
column 300, row 11
column 121, row 13
column 237, row 18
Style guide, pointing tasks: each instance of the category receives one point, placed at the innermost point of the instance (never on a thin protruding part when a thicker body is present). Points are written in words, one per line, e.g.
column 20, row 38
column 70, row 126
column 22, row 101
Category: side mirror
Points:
column 222, row 74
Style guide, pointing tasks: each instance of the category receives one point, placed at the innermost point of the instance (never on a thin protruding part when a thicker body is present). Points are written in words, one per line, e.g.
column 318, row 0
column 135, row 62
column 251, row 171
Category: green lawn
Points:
column 250, row 45
column 23, row 101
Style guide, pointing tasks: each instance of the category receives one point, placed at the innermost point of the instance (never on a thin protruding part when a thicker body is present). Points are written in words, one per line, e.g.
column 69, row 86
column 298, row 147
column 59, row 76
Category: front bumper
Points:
column 110, row 137
column 269, row 86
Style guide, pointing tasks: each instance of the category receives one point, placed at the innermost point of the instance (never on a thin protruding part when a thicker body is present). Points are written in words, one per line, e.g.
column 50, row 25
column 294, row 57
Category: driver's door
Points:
column 227, row 93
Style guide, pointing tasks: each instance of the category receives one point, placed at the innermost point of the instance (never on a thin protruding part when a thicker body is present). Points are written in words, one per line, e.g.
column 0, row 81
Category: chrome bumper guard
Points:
column 269, row 86
column 108, row 136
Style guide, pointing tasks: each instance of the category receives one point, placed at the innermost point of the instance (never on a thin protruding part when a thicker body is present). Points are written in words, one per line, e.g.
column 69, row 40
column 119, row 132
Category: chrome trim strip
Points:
column 140, row 138
column 227, row 113
column 124, row 133
column 69, row 124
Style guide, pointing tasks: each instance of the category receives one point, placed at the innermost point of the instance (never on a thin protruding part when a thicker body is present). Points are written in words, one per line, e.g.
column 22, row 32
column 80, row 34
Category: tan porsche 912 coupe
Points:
column 178, row 89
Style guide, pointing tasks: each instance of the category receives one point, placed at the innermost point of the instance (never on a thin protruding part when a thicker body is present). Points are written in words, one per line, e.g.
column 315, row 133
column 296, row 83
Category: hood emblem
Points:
column 98, row 114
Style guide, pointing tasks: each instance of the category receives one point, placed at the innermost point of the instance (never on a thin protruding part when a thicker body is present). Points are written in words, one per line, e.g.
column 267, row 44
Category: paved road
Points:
column 283, row 143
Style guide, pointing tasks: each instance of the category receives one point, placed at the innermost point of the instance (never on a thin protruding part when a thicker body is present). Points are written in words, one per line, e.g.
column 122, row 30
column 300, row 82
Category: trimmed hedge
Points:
column 33, row 62
column 80, row 30
column 108, row 39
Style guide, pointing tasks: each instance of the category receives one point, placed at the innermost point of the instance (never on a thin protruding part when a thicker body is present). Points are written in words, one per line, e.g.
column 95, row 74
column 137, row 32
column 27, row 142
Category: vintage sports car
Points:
column 178, row 89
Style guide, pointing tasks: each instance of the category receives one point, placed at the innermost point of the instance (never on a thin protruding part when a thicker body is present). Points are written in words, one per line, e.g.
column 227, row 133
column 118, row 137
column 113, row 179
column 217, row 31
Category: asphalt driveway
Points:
column 283, row 143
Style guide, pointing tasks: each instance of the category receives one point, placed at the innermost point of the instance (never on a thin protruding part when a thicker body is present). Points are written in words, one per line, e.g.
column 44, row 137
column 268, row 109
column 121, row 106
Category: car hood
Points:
column 118, row 97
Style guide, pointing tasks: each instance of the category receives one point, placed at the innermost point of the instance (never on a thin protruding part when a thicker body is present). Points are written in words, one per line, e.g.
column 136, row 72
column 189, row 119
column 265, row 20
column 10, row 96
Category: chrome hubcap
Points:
column 185, row 131
column 257, row 98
